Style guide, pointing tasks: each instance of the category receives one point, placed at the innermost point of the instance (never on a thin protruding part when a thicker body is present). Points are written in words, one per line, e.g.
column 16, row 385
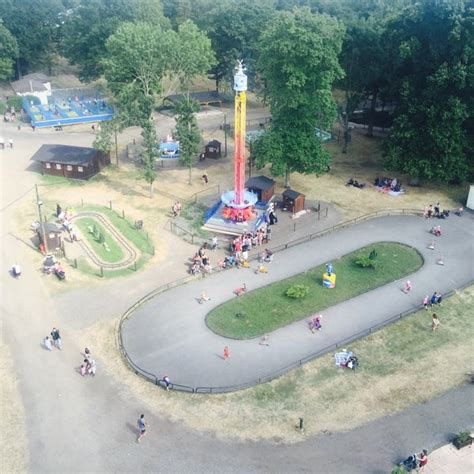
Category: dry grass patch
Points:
column 13, row 446
column 325, row 396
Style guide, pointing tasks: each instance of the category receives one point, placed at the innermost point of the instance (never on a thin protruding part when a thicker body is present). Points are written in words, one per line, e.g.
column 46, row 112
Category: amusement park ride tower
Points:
column 240, row 202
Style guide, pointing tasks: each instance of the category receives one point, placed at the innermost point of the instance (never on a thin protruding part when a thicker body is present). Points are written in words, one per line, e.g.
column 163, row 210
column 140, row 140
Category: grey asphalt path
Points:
column 169, row 334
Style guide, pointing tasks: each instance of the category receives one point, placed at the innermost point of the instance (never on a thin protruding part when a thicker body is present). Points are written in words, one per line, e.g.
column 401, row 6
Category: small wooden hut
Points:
column 262, row 186
column 213, row 149
column 293, row 201
column 53, row 235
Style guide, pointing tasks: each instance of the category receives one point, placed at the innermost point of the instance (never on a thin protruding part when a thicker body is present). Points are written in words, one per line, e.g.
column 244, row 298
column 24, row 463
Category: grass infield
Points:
column 114, row 254
column 268, row 308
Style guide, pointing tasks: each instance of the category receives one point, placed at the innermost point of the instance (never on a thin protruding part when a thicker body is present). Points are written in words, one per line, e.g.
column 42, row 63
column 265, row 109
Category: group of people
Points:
column 436, row 211
column 51, row 265
column 53, row 339
column 415, row 461
column 436, row 299
column 315, row 323
column 355, row 183
column 201, row 262
column 388, row 184
column 64, row 218
column 89, row 366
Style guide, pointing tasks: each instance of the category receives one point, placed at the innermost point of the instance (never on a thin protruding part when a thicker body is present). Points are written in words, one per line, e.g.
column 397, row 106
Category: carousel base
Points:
column 217, row 223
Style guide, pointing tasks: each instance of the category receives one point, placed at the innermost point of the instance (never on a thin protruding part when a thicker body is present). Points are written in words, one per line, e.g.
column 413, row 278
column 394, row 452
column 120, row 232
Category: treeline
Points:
column 416, row 55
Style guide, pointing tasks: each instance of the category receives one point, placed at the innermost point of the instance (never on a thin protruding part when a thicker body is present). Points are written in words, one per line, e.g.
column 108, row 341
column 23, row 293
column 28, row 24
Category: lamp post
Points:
column 40, row 203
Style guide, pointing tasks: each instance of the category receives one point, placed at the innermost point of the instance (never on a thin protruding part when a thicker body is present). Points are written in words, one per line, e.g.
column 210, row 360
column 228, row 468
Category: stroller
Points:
column 410, row 463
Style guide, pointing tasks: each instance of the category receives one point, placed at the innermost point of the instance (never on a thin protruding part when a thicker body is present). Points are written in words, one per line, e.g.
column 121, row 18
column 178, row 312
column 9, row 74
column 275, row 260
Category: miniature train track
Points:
column 130, row 253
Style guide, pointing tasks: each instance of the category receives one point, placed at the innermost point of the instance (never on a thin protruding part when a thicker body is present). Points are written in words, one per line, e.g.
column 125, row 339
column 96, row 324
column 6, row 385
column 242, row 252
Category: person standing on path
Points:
column 10, row 142
column 47, row 343
column 422, row 460
column 226, row 353
column 167, row 382
column 142, row 426
column 264, row 340
column 56, row 338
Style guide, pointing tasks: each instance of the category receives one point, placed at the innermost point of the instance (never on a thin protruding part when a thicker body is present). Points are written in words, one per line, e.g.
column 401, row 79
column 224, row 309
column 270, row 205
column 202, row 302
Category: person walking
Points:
column 408, row 286
column 434, row 299
column 264, row 340
column 142, row 425
column 435, row 322
column 226, row 353
column 56, row 338
column 10, row 142
column 47, row 343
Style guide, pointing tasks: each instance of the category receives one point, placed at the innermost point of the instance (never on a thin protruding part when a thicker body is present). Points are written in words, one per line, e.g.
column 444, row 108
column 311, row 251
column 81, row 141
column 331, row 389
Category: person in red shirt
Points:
column 423, row 459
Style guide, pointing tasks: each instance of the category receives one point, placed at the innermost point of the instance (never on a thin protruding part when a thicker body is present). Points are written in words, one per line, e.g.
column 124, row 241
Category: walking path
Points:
column 169, row 334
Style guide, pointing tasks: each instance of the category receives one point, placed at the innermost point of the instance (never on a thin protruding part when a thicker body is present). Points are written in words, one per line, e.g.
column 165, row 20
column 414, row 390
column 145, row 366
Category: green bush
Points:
column 399, row 470
column 297, row 291
column 3, row 108
column 365, row 261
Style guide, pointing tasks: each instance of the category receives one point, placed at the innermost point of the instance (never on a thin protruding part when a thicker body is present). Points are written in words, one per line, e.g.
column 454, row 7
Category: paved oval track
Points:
column 168, row 334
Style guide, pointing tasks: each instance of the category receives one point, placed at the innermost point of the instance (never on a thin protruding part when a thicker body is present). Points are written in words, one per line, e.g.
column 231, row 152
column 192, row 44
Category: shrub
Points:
column 365, row 262
column 297, row 291
column 399, row 470
column 3, row 107
column 462, row 439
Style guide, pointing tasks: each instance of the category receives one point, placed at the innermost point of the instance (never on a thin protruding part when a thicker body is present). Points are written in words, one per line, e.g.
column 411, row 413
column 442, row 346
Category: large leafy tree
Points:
column 149, row 154
column 235, row 28
column 298, row 64
column 191, row 56
column 35, row 26
column 138, row 57
column 88, row 25
column 8, row 53
column 433, row 49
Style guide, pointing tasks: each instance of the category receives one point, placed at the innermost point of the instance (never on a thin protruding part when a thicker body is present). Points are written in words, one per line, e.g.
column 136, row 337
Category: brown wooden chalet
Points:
column 70, row 161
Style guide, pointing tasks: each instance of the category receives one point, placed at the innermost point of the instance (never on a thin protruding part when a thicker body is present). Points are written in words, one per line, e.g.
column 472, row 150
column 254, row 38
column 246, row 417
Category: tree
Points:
column 149, row 154
column 8, row 53
column 107, row 136
column 191, row 54
column 187, row 131
column 298, row 64
column 235, row 29
column 88, row 26
column 138, row 57
column 34, row 24
column 433, row 51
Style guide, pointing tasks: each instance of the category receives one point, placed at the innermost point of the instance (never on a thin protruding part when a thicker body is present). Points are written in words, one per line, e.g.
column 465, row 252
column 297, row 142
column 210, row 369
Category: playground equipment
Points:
column 329, row 277
column 169, row 148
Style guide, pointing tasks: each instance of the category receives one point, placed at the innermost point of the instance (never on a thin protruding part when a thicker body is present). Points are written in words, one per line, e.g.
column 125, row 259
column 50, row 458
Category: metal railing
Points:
column 298, row 363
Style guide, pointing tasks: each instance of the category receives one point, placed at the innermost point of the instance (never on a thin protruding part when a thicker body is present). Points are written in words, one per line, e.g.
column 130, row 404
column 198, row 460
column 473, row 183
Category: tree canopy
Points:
column 8, row 52
column 299, row 64
column 433, row 55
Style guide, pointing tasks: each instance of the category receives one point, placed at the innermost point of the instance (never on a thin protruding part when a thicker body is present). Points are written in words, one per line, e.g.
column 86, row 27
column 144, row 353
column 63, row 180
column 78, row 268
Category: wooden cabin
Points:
column 262, row 186
column 74, row 162
column 293, row 201
column 213, row 149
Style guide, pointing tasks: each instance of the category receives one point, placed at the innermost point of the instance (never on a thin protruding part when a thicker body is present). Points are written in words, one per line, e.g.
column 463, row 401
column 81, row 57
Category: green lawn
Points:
column 114, row 254
column 268, row 308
